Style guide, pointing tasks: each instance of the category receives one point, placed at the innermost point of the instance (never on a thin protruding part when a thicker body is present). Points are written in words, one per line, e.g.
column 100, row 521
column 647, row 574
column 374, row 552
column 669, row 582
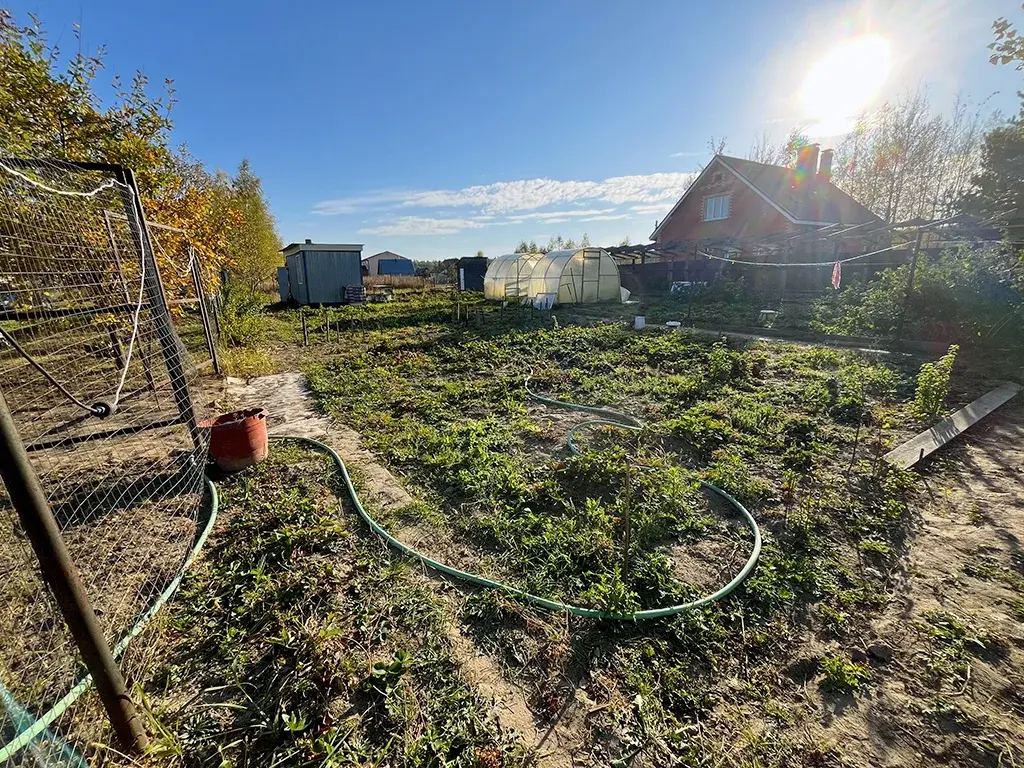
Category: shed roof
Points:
column 308, row 246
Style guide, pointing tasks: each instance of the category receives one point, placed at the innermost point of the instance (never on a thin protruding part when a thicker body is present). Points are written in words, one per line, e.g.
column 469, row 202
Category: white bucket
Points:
column 639, row 322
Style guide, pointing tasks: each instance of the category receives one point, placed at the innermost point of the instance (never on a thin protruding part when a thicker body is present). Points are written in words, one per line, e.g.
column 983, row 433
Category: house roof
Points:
column 386, row 255
column 813, row 201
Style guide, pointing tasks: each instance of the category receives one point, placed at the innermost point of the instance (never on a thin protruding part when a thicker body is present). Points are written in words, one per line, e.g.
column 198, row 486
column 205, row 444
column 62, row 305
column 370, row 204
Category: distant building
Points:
column 319, row 273
column 388, row 263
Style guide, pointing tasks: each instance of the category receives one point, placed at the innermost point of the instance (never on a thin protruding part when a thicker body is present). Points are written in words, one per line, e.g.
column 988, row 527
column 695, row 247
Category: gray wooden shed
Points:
column 318, row 273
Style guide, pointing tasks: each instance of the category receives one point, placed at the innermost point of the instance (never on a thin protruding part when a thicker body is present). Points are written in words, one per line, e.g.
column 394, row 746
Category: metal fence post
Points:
column 910, row 285
column 61, row 576
column 158, row 308
column 197, row 279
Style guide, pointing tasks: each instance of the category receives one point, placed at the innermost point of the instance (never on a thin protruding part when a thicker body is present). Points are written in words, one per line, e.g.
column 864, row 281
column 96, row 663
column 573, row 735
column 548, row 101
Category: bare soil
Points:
column 965, row 559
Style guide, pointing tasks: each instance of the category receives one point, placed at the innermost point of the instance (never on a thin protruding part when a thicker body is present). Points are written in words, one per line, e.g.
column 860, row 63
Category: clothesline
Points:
column 830, row 263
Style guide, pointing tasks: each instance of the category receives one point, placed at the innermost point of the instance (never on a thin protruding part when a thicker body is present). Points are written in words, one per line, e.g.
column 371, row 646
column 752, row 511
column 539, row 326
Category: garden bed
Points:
column 842, row 648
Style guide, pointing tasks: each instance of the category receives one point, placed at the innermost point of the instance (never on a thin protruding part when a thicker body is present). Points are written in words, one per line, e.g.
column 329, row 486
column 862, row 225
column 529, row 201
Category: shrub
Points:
column 957, row 295
column 933, row 385
column 241, row 317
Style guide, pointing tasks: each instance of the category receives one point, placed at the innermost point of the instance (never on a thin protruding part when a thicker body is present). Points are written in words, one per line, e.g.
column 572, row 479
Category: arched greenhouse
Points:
column 508, row 276
column 575, row 276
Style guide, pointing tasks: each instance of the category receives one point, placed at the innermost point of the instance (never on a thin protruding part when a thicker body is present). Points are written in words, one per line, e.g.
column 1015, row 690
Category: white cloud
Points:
column 656, row 208
column 608, row 217
column 359, row 203
column 519, row 218
column 511, row 197
column 422, row 225
column 689, row 154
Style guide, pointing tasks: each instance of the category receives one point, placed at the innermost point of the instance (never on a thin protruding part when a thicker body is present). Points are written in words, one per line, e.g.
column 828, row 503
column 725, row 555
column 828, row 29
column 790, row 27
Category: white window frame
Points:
column 718, row 214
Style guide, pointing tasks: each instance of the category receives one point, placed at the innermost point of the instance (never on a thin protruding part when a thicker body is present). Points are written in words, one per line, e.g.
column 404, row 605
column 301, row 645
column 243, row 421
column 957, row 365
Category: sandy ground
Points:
column 963, row 558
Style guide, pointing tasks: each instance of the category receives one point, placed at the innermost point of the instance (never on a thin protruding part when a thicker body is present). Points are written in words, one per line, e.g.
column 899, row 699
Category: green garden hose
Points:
column 609, row 418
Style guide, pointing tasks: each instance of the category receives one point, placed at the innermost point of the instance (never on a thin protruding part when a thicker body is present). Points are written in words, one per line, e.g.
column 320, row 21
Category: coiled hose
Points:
column 32, row 729
column 608, row 418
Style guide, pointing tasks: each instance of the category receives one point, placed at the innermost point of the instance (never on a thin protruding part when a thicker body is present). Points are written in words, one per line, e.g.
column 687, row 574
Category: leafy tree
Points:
column 998, row 185
column 1008, row 47
column 53, row 112
column 624, row 242
column 479, row 254
column 764, row 150
column 585, row 241
column 905, row 161
column 253, row 246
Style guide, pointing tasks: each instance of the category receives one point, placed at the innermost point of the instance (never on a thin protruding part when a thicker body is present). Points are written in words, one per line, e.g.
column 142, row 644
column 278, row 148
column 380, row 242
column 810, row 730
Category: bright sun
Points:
column 845, row 80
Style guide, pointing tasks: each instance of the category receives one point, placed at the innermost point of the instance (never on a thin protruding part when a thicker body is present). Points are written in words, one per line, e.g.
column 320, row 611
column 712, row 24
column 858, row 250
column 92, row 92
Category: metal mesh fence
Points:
column 99, row 386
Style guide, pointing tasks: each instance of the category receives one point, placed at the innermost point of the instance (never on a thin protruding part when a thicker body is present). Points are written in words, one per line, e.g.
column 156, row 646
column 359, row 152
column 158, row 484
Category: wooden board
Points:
column 926, row 443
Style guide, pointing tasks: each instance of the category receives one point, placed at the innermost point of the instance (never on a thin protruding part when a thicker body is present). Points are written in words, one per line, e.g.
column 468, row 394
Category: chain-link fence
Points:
column 100, row 388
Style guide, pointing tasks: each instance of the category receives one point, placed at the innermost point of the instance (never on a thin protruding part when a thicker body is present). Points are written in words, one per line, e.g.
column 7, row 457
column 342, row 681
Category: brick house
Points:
column 745, row 209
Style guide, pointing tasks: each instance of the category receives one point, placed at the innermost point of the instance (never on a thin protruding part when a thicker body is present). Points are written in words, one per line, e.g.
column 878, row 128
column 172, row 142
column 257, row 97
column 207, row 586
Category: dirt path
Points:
column 291, row 409
column 966, row 561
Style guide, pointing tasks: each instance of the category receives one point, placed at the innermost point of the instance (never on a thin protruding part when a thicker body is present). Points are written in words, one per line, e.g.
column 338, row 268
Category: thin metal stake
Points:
column 628, row 504
column 910, row 286
column 61, row 576
column 305, row 330
column 197, row 281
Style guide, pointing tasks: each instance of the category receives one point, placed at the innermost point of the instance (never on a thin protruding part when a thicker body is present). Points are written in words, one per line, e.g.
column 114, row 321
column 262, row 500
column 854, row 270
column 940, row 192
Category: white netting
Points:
column 85, row 330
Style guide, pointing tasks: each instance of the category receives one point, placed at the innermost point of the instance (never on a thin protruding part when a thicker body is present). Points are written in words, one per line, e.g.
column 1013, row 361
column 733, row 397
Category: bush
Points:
column 933, row 385
column 957, row 295
column 241, row 317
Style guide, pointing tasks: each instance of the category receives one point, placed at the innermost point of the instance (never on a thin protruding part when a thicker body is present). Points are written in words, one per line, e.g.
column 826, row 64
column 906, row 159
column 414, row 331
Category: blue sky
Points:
column 438, row 128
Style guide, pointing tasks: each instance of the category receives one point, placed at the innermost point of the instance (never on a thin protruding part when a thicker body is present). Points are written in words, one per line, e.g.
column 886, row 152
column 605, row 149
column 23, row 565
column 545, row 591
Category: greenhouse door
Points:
column 591, row 279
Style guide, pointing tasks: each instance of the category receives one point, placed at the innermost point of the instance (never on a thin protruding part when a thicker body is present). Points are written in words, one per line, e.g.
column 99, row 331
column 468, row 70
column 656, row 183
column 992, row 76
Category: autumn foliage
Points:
column 49, row 109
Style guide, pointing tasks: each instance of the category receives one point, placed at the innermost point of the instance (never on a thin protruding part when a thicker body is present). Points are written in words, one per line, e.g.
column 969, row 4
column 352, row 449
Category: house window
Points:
column 716, row 208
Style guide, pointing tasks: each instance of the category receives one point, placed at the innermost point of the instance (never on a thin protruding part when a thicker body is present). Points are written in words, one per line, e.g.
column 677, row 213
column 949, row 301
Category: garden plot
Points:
column 842, row 648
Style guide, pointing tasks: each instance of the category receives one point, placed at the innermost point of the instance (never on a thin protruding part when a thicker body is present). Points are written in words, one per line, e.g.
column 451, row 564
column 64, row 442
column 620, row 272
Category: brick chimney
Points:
column 825, row 167
column 807, row 161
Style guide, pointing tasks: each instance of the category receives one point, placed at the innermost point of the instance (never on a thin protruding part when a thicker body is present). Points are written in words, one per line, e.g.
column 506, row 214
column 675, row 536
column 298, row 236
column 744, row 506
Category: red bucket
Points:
column 238, row 439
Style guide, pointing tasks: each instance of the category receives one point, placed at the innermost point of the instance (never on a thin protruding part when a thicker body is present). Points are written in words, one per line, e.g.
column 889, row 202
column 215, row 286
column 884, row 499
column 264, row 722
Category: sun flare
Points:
column 846, row 79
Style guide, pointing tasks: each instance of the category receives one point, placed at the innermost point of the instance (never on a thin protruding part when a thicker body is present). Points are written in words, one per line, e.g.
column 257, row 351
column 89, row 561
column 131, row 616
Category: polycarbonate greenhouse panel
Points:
column 576, row 276
column 508, row 276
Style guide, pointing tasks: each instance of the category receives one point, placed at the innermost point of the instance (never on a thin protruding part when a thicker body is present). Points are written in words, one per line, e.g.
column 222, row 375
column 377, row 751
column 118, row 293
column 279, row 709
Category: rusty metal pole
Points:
column 60, row 575
column 159, row 312
column 197, row 281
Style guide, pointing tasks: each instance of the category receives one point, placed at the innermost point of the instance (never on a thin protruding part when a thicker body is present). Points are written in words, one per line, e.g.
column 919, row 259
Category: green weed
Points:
column 933, row 385
column 842, row 675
